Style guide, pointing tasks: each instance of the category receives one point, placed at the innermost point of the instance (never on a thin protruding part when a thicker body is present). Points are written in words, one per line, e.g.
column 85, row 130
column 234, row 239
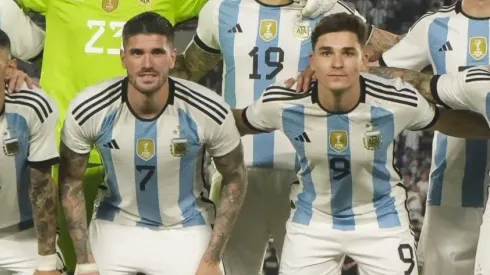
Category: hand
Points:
column 303, row 81
column 316, row 8
column 207, row 268
column 53, row 272
column 16, row 79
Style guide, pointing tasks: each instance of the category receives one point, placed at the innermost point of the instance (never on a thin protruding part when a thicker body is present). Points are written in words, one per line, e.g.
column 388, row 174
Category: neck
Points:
column 275, row 2
column 148, row 106
column 476, row 8
column 339, row 101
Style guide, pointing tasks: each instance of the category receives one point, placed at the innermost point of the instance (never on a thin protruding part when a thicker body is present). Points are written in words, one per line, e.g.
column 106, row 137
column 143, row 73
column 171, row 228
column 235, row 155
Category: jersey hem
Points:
column 44, row 163
column 433, row 121
column 433, row 90
column 248, row 124
column 205, row 47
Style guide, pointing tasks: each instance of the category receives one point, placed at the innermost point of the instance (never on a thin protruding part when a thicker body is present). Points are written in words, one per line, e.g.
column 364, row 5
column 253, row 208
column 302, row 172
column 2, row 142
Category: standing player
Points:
column 451, row 39
column 352, row 200
column 27, row 191
column 82, row 48
column 261, row 42
column 154, row 217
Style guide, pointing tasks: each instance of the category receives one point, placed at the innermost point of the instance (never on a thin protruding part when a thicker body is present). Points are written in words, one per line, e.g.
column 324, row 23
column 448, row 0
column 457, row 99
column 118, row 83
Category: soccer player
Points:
column 151, row 131
column 352, row 200
column 260, row 42
column 27, row 192
column 451, row 39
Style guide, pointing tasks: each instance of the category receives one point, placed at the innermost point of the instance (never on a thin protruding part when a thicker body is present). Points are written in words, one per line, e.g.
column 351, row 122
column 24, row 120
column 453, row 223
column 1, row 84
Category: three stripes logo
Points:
column 446, row 47
column 477, row 74
column 236, row 29
column 112, row 145
column 303, row 138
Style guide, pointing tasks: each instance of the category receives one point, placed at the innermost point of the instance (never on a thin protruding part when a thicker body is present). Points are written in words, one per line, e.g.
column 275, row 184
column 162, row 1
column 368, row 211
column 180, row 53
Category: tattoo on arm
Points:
column 71, row 170
column 380, row 42
column 232, row 168
column 43, row 195
column 420, row 81
column 194, row 63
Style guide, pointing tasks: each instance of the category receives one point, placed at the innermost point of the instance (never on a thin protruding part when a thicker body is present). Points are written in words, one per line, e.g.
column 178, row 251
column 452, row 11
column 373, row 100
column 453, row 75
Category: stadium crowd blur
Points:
column 413, row 151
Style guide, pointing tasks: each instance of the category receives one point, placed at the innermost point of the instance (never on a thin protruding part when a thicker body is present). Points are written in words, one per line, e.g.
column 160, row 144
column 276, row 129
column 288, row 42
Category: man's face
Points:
column 337, row 60
column 148, row 58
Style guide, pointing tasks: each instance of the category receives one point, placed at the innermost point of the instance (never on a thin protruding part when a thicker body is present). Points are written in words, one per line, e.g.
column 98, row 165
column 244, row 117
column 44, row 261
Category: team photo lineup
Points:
column 244, row 137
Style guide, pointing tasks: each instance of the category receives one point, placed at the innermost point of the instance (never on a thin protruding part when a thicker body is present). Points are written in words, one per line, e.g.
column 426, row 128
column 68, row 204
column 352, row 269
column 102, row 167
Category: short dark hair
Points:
column 339, row 22
column 148, row 23
column 4, row 41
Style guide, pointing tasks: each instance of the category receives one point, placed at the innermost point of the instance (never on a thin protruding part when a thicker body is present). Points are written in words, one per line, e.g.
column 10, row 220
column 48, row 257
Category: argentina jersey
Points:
column 450, row 41
column 348, row 176
column 260, row 45
column 153, row 167
column 28, row 138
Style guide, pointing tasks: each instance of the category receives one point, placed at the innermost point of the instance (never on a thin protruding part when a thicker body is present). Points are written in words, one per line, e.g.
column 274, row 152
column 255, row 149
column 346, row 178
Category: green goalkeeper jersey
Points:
column 83, row 39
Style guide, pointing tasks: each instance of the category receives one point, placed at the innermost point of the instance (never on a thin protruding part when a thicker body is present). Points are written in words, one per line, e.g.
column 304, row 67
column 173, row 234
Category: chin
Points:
column 338, row 87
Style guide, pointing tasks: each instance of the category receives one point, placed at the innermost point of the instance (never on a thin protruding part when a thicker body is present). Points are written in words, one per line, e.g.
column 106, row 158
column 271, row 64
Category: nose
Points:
column 338, row 61
column 146, row 61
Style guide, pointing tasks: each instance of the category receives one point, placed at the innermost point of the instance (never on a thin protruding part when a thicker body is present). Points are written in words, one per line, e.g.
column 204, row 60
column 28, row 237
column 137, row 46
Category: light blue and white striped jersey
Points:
column 153, row 167
column 28, row 137
column 451, row 41
column 348, row 176
column 466, row 90
column 260, row 45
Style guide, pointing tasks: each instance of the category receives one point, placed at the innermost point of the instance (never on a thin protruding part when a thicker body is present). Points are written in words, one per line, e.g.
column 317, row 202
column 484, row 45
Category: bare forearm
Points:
column 462, row 124
column 379, row 42
column 420, row 81
column 194, row 63
column 43, row 195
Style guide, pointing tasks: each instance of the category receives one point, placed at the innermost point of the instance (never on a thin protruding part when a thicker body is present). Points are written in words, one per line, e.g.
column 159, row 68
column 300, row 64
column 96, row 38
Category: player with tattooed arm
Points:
column 151, row 131
column 352, row 200
column 28, row 195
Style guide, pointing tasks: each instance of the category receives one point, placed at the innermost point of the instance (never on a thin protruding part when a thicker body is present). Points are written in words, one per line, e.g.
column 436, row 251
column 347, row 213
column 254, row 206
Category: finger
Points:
column 11, row 85
column 289, row 83
column 19, row 81
column 299, row 83
column 29, row 81
column 308, row 76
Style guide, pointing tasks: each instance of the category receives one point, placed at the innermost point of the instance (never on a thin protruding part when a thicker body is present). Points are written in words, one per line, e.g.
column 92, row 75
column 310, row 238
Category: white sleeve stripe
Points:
column 391, row 92
column 195, row 105
column 391, row 99
column 210, row 110
column 110, row 89
column 29, row 104
column 381, row 86
column 477, row 77
column 36, row 95
column 32, row 102
column 101, row 104
column 217, row 104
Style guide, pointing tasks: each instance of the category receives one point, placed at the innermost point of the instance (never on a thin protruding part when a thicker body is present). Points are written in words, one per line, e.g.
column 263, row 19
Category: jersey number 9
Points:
column 340, row 167
column 273, row 58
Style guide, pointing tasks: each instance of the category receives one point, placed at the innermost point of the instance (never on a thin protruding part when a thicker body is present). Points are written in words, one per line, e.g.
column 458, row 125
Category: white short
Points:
column 482, row 263
column 449, row 239
column 120, row 249
column 263, row 215
column 18, row 253
column 320, row 250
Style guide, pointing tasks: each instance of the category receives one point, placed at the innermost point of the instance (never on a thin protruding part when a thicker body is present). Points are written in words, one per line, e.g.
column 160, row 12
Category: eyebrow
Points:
column 327, row 48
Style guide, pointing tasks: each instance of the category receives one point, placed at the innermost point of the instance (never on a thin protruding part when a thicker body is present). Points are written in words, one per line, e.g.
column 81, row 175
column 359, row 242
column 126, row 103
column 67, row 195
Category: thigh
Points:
column 18, row 253
column 244, row 252
column 449, row 240
column 310, row 250
column 384, row 251
column 117, row 249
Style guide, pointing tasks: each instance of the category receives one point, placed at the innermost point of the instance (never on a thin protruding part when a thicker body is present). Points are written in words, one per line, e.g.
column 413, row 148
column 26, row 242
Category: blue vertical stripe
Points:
column 305, row 50
column 228, row 18
column 263, row 144
column 473, row 188
column 340, row 183
column 18, row 128
column 293, row 121
column 383, row 121
column 438, row 35
column 187, row 171
column 147, row 197
column 109, row 206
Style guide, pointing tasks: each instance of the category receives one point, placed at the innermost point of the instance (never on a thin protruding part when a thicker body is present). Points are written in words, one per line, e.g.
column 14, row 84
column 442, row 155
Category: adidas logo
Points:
column 235, row 29
column 112, row 145
column 303, row 138
column 446, row 47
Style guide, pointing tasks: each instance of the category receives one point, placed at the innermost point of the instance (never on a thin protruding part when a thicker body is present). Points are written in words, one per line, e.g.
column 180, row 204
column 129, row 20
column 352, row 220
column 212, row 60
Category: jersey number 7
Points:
column 150, row 170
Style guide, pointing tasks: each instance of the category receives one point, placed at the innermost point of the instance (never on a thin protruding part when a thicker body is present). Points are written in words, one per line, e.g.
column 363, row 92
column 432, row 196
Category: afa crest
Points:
column 145, row 148
column 268, row 29
column 178, row 147
column 110, row 5
column 478, row 47
column 302, row 30
column 372, row 140
column 339, row 141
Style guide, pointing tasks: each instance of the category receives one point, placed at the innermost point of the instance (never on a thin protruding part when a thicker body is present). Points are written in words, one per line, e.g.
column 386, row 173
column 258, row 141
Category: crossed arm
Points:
column 195, row 63
column 42, row 192
column 234, row 185
column 71, row 170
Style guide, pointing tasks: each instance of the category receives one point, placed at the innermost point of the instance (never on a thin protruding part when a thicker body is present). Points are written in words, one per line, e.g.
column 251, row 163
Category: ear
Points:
column 122, row 54
column 173, row 58
column 365, row 62
column 11, row 66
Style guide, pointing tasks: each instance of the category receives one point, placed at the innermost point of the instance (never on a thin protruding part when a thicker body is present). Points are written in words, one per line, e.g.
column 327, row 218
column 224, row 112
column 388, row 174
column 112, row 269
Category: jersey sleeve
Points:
column 342, row 6
column 264, row 114
column 224, row 138
column 26, row 37
column 207, row 37
column 423, row 116
column 412, row 52
column 43, row 147
column 466, row 90
column 188, row 9
column 79, row 138
column 40, row 6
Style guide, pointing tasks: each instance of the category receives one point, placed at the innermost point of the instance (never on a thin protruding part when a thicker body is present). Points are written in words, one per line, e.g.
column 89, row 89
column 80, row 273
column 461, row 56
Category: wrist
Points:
column 86, row 268
column 47, row 262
